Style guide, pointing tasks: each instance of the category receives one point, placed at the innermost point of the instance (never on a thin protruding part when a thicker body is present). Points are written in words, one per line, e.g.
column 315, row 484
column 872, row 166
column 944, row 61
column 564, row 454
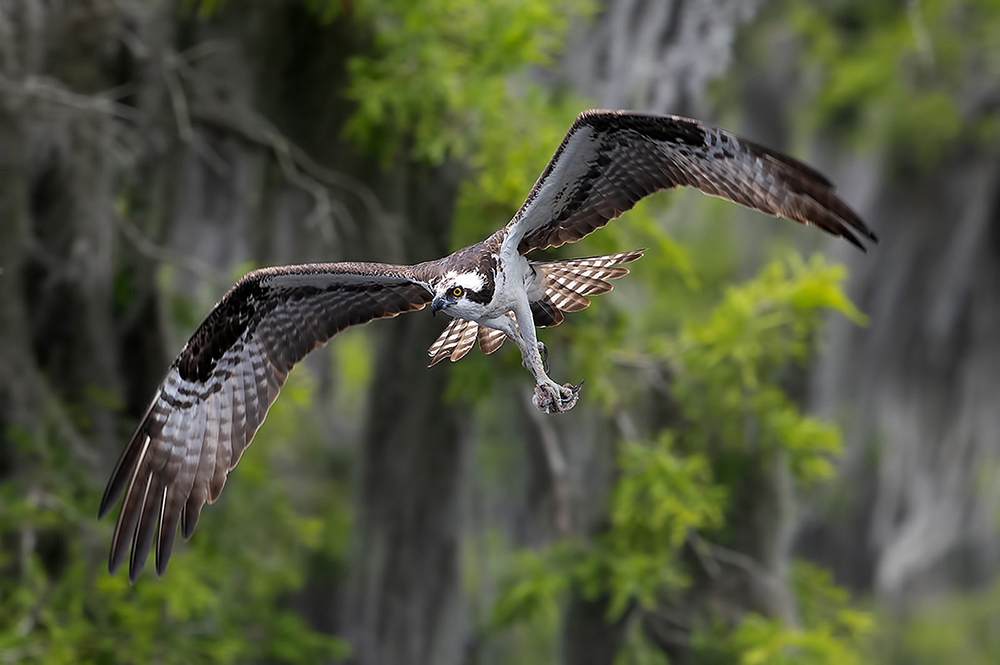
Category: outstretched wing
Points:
column 610, row 160
column 219, row 389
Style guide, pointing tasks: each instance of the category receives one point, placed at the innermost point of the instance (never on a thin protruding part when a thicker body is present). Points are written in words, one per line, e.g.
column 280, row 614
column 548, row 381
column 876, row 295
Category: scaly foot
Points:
column 543, row 351
column 553, row 398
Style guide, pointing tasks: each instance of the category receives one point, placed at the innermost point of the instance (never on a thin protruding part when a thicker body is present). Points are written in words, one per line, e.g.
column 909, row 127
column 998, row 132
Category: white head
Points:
column 463, row 295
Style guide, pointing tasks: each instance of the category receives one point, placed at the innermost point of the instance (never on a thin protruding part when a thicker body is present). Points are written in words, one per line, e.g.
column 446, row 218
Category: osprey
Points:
column 218, row 390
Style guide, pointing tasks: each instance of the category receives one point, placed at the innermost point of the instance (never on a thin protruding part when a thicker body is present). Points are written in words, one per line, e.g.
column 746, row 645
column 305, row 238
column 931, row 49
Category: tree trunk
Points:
column 589, row 638
column 920, row 382
column 402, row 599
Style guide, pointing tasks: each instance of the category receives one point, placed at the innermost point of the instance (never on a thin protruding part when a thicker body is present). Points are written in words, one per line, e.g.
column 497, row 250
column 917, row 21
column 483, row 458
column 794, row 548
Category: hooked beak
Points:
column 439, row 303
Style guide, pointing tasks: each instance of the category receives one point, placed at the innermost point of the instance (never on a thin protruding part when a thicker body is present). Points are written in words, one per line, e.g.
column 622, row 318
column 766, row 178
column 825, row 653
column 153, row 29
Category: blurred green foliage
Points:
column 437, row 81
column 659, row 498
column 227, row 598
column 728, row 367
column 830, row 631
column 913, row 77
column 441, row 83
column 953, row 629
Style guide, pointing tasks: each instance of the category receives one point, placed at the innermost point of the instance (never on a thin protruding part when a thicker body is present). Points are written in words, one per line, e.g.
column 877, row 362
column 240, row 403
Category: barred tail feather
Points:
column 454, row 342
column 459, row 338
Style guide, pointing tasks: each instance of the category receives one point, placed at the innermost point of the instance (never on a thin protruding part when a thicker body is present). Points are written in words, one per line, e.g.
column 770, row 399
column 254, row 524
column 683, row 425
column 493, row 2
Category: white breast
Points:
column 510, row 282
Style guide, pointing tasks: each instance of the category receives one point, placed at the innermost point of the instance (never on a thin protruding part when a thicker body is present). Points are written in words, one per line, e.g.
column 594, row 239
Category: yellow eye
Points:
column 457, row 291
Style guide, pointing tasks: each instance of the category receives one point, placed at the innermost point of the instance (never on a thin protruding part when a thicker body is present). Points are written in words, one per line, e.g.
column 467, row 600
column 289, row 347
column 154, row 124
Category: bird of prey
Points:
column 218, row 390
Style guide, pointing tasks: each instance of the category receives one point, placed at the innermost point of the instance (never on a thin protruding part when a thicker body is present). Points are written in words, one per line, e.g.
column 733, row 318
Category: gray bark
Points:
column 58, row 178
column 655, row 55
column 920, row 385
column 589, row 638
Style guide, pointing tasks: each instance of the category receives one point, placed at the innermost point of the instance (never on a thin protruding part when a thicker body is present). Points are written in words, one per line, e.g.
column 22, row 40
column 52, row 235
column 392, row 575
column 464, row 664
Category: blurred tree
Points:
column 693, row 544
column 916, row 88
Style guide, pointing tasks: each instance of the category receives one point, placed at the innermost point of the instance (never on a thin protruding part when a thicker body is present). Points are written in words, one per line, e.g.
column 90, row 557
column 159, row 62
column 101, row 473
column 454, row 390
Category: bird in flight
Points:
column 218, row 390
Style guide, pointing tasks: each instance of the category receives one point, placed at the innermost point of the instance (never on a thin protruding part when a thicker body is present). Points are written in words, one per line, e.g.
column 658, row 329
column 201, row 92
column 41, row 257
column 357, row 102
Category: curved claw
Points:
column 556, row 399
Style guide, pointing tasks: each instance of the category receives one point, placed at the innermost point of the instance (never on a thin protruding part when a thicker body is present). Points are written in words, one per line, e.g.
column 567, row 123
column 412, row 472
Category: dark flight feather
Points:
column 610, row 160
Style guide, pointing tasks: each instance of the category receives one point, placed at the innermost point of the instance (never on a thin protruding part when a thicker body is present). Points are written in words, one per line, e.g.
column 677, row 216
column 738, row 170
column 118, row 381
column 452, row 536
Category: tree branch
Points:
column 151, row 250
column 39, row 87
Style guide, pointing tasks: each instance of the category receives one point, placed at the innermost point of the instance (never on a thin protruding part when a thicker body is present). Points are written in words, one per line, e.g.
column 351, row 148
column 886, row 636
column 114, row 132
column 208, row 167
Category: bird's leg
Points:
column 549, row 396
column 544, row 351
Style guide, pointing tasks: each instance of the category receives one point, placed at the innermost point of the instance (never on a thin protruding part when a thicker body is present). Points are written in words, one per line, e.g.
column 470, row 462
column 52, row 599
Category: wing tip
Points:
column 851, row 238
column 162, row 559
column 106, row 505
column 135, row 571
column 115, row 558
column 850, row 234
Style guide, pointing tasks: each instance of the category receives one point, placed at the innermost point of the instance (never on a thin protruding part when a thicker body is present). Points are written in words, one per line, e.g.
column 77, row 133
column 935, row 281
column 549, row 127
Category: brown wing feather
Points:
column 610, row 160
column 217, row 393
